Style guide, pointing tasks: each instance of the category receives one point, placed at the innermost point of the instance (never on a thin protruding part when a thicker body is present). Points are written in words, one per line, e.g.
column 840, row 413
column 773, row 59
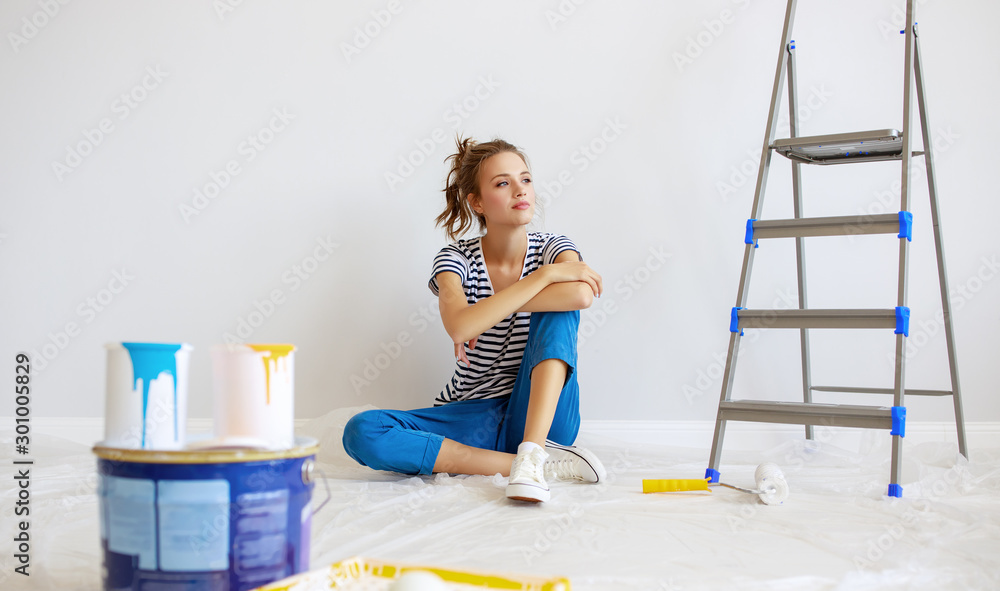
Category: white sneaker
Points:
column 566, row 462
column 527, row 479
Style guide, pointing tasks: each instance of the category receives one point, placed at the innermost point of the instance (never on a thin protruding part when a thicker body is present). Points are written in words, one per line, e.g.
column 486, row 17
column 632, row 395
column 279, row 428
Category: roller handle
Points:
column 674, row 485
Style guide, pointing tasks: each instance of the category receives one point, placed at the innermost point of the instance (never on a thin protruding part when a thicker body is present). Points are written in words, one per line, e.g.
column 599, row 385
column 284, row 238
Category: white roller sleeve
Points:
column 771, row 483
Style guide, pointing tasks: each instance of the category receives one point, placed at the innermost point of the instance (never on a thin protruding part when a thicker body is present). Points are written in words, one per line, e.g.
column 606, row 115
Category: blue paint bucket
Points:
column 206, row 520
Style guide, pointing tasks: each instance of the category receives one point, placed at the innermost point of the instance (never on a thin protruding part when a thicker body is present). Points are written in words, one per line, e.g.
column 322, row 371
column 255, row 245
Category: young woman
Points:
column 510, row 301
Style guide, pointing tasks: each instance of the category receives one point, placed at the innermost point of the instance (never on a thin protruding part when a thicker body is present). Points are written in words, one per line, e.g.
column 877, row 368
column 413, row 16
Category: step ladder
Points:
column 845, row 148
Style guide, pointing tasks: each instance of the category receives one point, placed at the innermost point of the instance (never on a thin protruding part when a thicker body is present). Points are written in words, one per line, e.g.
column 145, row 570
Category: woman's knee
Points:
column 374, row 438
column 553, row 335
column 556, row 320
column 555, row 328
column 360, row 434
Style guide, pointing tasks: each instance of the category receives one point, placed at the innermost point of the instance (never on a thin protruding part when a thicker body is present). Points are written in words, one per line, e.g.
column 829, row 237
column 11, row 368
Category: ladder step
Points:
column 898, row 319
column 840, row 148
column 900, row 224
column 853, row 390
column 805, row 413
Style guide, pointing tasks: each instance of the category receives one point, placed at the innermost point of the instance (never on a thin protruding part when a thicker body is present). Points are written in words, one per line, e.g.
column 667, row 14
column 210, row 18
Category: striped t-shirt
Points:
column 497, row 356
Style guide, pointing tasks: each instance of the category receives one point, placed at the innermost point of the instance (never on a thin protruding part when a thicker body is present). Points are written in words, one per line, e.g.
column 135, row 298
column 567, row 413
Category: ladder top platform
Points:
column 840, row 148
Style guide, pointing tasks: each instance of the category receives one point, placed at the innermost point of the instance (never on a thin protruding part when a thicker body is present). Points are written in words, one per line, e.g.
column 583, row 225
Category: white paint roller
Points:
column 418, row 580
column 771, row 482
column 771, row 485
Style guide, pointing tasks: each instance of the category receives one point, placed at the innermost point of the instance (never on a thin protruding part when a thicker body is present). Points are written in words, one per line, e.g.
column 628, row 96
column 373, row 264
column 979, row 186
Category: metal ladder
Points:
column 847, row 148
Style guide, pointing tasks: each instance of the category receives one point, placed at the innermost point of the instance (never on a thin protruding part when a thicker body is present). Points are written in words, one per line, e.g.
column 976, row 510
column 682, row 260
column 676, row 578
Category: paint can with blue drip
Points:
column 146, row 403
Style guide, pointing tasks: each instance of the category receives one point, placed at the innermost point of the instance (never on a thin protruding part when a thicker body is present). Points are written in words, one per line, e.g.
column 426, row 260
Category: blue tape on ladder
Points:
column 895, row 490
column 898, row 421
column 734, row 320
column 906, row 225
column 712, row 475
column 749, row 237
column 902, row 321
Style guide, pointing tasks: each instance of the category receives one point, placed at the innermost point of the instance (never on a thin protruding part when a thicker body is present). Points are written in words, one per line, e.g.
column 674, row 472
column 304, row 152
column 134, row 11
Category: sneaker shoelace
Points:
column 529, row 465
column 564, row 469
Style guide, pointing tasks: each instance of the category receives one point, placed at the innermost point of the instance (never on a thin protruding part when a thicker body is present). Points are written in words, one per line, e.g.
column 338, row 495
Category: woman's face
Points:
column 506, row 195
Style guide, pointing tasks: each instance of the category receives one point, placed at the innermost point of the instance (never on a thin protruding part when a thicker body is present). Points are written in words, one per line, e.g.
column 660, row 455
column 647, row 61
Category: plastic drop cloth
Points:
column 837, row 530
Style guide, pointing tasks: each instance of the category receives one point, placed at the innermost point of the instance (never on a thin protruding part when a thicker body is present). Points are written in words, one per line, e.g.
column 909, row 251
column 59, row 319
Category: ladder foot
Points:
column 712, row 475
column 895, row 490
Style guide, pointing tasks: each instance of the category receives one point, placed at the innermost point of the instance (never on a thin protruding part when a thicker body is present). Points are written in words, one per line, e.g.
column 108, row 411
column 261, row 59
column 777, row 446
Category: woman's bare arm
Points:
column 465, row 322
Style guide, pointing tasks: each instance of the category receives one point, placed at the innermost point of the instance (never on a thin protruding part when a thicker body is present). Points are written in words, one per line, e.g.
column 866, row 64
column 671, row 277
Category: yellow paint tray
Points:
column 366, row 574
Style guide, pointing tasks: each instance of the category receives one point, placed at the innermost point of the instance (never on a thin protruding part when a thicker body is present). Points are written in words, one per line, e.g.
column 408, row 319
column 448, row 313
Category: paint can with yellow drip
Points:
column 254, row 395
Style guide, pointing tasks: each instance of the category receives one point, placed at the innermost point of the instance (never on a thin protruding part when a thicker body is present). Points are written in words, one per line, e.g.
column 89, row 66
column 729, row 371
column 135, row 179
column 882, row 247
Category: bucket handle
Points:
column 308, row 467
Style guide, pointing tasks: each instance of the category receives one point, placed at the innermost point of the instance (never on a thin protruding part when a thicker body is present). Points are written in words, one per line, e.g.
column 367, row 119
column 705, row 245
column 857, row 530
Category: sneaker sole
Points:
column 527, row 493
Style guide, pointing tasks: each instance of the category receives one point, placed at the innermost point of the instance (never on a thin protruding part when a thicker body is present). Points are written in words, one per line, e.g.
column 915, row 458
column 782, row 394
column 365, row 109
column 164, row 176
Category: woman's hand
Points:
column 460, row 351
column 464, row 322
column 574, row 271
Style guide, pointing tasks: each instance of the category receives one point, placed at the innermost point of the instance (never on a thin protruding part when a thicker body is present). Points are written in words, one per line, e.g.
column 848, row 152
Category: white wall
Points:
column 552, row 77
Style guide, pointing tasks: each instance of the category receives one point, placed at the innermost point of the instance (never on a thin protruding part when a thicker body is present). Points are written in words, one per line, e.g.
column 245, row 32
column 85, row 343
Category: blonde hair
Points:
column 463, row 179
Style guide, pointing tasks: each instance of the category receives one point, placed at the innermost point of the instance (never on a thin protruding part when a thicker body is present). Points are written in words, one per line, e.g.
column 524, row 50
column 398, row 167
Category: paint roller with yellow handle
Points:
column 771, row 485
